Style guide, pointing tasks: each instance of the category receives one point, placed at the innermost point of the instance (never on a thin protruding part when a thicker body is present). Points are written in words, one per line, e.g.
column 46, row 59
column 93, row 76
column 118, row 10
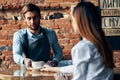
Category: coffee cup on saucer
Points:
column 37, row 65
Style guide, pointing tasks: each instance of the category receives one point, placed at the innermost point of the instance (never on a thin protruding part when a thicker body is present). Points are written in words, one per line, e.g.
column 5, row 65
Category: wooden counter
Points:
column 19, row 74
column 16, row 73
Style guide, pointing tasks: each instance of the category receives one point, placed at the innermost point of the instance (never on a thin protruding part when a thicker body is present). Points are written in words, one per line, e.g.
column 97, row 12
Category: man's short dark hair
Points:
column 30, row 7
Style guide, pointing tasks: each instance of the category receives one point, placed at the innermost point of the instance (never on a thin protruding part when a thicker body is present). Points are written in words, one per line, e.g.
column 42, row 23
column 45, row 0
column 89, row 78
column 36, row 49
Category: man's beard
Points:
column 35, row 28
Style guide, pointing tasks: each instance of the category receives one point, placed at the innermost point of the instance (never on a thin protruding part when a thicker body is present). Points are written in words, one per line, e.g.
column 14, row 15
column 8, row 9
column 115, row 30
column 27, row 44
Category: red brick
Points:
column 5, row 42
column 5, row 32
column 60, row 21
column 60, row 36
column 64, row 41
column 68, row 35
column 21, row 22
column 66, row 52
column 47, row 23
column 9, row 56
column 7, row 52
column 9, row 27
column 67, row 29
column 8, row 6
column 63, row 23
column 54, row 26
column 43, row 5
column 54, row 5
column 71, row 0
column 46, row 1
column 12, row 1
column 74, row 41
column 16, row 5
column 68, row 46
column 12, row 22
column 23, row 26
column 3, row 1
column 67, row 4
column 39, row 1
column 12, row 31
column 29, row 1
column 2, row 16
column 21, row 1
column 74, row 36
column 64, row 30
column 3, row 37
column 2, row 22
column 10, row 37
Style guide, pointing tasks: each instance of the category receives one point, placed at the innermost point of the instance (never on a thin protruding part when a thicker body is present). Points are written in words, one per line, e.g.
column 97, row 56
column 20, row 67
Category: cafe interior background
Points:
column 56, row 15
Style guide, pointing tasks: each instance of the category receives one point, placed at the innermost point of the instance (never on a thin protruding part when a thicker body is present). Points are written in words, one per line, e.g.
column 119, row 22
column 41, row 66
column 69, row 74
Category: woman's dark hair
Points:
column 88, row 22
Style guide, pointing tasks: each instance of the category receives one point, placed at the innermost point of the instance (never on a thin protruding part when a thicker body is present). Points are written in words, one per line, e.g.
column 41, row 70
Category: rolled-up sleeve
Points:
column 80, row 57
column 67, row 69
column 17, row 49
column 56, row 48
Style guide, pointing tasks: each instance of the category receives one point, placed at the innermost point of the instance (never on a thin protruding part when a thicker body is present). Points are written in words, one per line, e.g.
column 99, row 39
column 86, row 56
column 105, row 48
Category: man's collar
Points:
column 32, row 35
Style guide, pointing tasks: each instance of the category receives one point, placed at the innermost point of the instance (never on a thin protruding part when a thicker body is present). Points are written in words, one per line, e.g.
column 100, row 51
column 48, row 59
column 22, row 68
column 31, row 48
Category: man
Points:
column 34, row 42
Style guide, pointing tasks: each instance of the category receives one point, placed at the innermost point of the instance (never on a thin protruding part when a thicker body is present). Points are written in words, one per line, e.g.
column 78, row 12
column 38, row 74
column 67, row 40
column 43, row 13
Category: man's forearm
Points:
column 18, row 59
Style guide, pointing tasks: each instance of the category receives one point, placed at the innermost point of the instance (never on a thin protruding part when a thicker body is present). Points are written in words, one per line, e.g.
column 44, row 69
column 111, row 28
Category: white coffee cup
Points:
column 37, row 64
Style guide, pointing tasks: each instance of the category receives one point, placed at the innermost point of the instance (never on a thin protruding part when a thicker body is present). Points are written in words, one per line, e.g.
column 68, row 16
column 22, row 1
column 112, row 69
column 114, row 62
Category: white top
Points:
column 87, row 63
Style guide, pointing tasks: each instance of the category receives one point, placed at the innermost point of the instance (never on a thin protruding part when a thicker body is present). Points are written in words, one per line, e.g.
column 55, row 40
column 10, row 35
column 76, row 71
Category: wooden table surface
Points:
column 20, row 74
column 17, row 73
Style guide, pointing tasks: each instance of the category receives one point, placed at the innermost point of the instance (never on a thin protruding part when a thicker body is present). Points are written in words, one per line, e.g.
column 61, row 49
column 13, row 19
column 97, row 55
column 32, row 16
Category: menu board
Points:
column 110, row 13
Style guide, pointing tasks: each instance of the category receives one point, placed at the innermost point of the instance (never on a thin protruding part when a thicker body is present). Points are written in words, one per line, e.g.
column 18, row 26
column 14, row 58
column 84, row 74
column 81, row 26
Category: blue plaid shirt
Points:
column 18, row 40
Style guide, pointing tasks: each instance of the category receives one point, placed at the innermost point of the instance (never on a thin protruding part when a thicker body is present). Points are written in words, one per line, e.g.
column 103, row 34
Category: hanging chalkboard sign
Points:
column 110, row 13
column 109, row 4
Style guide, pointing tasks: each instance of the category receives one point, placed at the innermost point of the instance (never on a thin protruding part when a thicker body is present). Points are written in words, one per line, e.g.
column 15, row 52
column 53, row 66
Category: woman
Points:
column 92, row 57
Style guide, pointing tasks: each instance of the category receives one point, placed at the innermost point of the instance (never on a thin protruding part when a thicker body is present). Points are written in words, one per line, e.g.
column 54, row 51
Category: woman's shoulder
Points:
column 84, row 44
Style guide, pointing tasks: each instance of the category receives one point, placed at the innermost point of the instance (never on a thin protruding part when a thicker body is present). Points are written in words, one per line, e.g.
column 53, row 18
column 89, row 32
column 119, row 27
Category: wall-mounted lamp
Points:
column 16, row 18
column 56, row 16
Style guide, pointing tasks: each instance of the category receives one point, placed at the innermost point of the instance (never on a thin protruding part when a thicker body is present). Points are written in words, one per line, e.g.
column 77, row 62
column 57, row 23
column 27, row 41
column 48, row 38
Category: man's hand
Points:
column 52, row 63
column 28, row 63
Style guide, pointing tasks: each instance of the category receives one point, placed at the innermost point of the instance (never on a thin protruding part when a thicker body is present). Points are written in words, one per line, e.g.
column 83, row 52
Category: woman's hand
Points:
column 46, row 68
column 50, row 68
column 60, row 76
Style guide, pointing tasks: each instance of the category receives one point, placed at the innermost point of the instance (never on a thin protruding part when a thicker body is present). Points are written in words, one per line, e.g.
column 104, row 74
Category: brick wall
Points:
column 8, row 25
